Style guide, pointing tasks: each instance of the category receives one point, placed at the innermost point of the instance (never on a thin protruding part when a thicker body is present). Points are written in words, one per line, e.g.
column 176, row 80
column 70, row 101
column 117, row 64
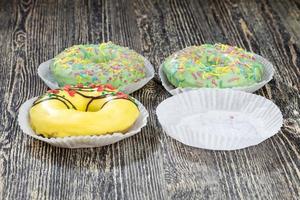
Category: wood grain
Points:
column 149, row 165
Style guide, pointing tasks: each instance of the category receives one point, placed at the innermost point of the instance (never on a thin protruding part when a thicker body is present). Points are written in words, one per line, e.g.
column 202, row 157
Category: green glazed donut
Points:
column 106, row 63
column 212, row 66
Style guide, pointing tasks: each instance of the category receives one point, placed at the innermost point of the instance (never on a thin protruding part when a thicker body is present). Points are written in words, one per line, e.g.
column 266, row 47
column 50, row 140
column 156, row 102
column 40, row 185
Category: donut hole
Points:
column 100, row 56
column 95, row 105
column 98, row 59
column 221, row 60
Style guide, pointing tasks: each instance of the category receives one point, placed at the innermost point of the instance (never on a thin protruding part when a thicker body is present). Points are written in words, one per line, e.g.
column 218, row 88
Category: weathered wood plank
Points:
column 243, row 177
column 149, row 165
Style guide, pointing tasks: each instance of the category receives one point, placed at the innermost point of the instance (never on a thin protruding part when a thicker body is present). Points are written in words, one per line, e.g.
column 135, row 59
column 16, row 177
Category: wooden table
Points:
column 149, row 165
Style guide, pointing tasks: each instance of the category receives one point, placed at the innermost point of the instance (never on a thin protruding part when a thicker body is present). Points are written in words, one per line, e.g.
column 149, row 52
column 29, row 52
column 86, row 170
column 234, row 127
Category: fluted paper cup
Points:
column 219, row 119
column 81, row 141
column 267, row 76
column 46, row 75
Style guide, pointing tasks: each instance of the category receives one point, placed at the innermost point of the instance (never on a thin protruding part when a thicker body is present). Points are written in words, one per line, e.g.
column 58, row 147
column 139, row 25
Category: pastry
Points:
column 98, row 64
column 83, row 110
column 212, row 66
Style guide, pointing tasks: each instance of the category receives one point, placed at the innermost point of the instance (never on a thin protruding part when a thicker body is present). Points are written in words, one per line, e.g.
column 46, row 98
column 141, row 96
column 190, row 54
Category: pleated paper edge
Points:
column 208, row 141
column 80, row 141
column 46, row 75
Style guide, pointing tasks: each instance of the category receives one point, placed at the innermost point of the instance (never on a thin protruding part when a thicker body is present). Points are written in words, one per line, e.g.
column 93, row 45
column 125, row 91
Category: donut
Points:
column 98, row 64
column 82, row 110
column 212, row 66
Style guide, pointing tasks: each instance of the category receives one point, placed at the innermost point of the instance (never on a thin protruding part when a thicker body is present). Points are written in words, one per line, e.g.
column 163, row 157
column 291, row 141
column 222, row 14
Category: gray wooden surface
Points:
column 149, row 165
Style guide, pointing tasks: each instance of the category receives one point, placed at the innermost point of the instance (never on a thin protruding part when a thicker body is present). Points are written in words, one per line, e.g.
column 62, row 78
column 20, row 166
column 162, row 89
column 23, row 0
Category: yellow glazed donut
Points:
column 78, row 111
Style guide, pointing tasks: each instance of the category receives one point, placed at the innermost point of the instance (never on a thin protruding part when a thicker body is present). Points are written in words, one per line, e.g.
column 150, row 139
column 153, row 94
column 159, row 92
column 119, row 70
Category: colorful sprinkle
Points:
column 216, row 65
column 53, row 91
column 72, row 93
column 98, row 64
column 109, row 86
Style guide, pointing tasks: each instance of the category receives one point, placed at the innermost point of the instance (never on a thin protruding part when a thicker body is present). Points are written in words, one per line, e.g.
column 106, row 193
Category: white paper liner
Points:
column 219, row 119
column 267, row 76
column 81, row 141
column 46, row 75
